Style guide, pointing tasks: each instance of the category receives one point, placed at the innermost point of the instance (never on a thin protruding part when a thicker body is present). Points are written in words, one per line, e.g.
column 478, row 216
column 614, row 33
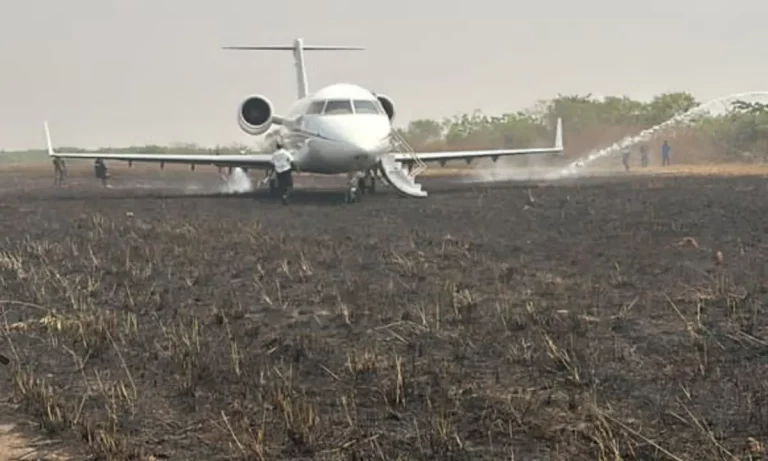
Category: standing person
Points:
column 100, row 170
column 644, row 156
column 59, row 171
column 63, row 166
column 665, row 153
column 282, row 160
column 625, row 157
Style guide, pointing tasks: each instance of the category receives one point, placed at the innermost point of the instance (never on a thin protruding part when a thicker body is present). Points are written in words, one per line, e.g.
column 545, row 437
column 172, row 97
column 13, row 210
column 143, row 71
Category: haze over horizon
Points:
column 118, row 73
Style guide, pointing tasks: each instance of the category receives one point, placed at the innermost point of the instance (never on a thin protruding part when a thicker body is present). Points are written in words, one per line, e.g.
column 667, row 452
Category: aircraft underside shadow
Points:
column 301, row 195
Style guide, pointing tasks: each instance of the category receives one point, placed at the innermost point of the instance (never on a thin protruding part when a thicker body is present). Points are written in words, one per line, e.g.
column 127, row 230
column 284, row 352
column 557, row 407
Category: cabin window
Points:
column 315, row 108
column 365, row 107
column 337, row 107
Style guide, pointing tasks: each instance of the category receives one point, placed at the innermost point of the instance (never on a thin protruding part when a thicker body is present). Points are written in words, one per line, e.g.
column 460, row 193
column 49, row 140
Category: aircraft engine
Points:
column 255, row 115
column 388, row 105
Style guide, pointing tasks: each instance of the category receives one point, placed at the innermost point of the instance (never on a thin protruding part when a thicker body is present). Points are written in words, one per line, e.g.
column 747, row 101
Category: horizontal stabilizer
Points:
column 293, row 47
column 298, row 49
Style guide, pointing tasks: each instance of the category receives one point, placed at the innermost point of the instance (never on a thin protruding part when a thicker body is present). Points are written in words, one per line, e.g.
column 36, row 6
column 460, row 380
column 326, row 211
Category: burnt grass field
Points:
column 609, row 320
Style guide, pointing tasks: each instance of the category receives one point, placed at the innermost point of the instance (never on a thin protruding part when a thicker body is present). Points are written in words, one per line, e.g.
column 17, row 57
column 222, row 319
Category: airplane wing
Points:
column 246, row 160
column 470, row 155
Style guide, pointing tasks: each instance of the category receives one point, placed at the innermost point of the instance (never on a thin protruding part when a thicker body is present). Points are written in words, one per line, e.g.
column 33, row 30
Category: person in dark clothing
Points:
column 665, row 153
column 59, row 171
column 100, row 170
column 625, row 158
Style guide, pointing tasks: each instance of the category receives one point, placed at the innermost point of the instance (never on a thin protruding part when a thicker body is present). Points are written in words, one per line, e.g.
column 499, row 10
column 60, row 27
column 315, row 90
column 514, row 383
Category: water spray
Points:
column 238, row 182
column 576, row 168
column 723, row 103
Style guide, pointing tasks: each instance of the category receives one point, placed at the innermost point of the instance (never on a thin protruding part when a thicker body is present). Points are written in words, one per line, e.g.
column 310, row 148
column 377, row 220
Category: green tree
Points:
column 424, row 131
column 668, row 105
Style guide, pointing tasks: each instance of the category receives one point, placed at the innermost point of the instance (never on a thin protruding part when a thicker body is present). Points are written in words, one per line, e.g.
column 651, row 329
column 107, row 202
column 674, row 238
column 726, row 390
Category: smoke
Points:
column 237, row 183
column 524, row 168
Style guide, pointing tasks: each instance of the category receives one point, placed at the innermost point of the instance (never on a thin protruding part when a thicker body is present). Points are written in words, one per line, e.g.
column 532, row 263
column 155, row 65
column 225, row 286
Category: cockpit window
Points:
column 316, row 107
column 365, row 107
column 337, row 107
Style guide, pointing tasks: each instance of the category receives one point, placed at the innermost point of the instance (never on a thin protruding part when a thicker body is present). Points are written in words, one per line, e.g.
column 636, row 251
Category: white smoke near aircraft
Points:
column 237, row 183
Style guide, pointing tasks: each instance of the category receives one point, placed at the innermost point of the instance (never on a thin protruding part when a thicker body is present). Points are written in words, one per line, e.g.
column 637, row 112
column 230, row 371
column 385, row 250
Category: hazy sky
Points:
column 121, row 72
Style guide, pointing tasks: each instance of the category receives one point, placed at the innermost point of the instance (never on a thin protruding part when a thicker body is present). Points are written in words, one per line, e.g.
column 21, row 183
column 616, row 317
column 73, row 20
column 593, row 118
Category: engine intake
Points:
column 388, row 105
column 255, row 115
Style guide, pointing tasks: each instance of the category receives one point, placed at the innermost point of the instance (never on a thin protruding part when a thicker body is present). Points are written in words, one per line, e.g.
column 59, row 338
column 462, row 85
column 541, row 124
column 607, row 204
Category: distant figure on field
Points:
column 643, row 156
column 282, row 160
column 625, row 158
column 59, row 171
column 222, row 169
column 100, row 170
column 665, row 153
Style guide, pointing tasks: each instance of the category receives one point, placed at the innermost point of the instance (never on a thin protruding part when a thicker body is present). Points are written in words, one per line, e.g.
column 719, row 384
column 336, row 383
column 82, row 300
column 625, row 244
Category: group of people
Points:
column 60, row 171
column 626, row 153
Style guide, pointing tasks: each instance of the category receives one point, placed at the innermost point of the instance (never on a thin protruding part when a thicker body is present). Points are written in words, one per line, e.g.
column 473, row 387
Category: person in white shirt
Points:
column 282, row 161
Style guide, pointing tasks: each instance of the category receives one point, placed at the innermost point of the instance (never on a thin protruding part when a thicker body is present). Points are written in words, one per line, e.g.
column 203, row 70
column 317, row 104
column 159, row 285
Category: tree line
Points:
column 738, row 134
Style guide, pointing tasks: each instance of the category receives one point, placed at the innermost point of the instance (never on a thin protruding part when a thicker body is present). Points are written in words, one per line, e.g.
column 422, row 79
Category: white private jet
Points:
column 340, row 129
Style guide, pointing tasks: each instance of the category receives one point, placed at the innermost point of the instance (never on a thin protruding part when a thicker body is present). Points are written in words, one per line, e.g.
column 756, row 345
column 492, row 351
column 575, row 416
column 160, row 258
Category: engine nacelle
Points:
column 388, row 105
column 255, row 115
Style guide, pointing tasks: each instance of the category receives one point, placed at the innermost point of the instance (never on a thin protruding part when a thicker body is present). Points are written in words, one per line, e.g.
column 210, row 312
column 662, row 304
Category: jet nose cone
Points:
column 369, row 144
column 366, row 134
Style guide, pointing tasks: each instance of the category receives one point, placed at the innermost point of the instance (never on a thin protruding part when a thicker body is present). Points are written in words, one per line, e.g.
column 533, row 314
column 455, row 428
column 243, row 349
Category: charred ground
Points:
column 599, row 323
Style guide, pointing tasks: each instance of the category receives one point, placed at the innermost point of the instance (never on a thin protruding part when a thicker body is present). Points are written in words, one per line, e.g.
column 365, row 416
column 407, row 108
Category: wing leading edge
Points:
column 491, row 153
column 248, row 161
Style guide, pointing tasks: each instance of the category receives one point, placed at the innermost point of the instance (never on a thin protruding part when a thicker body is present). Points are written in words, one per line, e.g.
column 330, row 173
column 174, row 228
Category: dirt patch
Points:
column 20, row 439
column 622, row 319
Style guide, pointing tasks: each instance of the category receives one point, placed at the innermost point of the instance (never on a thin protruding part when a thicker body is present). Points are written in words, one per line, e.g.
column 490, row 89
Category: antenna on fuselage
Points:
column 298, row 49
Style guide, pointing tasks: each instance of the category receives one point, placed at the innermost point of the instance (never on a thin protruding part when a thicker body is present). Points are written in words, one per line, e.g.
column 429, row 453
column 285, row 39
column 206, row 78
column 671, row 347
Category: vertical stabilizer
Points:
column 298, row 49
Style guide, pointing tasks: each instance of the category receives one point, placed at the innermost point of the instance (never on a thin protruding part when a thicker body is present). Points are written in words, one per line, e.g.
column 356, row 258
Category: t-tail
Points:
column 298, row 49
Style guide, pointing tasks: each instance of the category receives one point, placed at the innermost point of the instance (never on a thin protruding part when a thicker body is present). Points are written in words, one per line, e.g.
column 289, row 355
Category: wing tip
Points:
column 559, row 134
column 49, row 144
